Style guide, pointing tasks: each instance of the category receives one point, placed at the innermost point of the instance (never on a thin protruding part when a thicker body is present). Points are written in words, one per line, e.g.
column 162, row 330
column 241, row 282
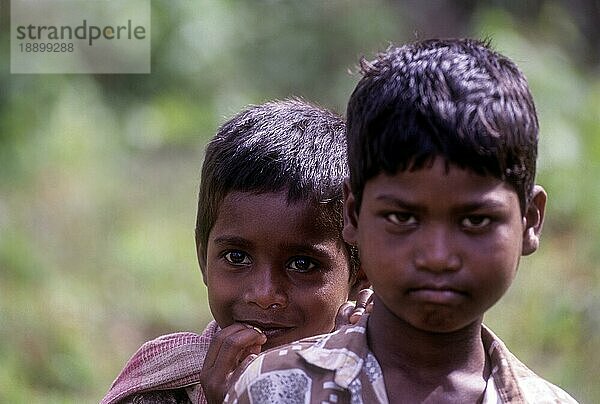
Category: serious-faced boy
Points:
column 270, row 248
column 441, row 202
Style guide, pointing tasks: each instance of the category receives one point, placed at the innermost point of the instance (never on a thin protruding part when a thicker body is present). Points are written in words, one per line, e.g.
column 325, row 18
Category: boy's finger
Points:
column 231, row 342
column 240, row 369
column 365, row 296
column 356, row 315
column 343, row 314
column 229, row 348
column 349, row 313
column 363, row 304
column 215, row 345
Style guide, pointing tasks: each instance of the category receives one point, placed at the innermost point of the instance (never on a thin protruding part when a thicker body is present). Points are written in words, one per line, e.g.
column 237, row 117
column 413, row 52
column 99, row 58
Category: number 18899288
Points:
column 34, row 47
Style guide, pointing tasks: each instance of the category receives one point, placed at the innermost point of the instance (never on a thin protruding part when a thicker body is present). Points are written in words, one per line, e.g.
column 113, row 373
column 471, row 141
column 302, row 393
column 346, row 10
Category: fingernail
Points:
column 354, row 318
column 258, row 330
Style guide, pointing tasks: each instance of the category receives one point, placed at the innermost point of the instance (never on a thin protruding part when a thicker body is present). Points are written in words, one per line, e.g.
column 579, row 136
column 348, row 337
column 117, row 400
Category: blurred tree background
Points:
column 99, row 174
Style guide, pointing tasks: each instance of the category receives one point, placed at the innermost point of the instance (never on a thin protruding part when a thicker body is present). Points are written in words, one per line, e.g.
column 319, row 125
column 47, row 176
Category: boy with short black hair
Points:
column 441, row 203
column 270, row 247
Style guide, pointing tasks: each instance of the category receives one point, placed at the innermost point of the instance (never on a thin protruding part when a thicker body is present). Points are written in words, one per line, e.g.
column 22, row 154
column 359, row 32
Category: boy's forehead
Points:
column 268, row 207
column 239, row 198
column 440, row 179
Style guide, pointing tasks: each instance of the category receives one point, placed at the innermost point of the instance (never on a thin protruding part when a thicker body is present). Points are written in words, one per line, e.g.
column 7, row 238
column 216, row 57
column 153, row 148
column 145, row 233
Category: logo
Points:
column 80, row 36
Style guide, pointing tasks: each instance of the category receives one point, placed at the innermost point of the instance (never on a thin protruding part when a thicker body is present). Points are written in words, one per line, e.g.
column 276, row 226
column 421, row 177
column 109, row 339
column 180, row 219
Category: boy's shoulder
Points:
column 514, row 382
column 326, row 351
column 324, row 368
column 167, row 362
column 339, row 365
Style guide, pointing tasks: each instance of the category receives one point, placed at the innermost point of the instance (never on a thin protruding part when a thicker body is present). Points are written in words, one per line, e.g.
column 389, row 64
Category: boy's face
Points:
column 441, row 247
column 273, row 265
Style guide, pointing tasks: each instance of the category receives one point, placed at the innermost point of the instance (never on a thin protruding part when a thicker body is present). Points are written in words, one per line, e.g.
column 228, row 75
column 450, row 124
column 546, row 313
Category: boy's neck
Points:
column 425, row 364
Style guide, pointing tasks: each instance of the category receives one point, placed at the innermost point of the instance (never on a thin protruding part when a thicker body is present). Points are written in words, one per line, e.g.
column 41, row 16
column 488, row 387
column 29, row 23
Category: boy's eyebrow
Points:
column 231, row 239
column 485, row 203
column 316, row 248
column 309, row 248
column 394, row 200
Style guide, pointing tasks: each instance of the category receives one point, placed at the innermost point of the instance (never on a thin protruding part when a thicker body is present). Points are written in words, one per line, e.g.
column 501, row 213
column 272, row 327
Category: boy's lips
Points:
column 438, row 294
column 270, row 329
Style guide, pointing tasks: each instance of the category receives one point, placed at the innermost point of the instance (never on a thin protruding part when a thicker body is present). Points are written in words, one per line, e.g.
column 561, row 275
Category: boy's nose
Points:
column 436, row 251
column 266, row 289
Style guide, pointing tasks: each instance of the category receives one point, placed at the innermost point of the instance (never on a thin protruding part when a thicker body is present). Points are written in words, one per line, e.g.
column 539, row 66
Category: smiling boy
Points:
column 441, row 203
column 270, row 248
column 244, row 246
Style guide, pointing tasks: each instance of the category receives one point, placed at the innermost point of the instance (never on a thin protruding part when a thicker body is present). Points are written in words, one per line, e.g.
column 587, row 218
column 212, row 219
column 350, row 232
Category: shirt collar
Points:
column 342, row 351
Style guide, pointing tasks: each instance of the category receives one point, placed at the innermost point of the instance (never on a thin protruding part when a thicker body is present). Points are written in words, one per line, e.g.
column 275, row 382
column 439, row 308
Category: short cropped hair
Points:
column 457, row 99
column 290, row 146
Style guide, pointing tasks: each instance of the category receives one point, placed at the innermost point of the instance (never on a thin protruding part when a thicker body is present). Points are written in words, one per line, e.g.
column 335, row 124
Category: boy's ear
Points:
column 350, row 216
column 201, row 262
column 533, row 220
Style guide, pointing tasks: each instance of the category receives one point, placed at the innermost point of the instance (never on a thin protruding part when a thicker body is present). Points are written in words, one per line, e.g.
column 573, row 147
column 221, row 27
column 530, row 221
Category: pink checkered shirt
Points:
column 169, row 362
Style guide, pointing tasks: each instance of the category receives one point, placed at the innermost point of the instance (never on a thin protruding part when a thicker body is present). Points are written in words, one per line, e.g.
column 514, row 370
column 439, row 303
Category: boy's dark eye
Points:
column 401, row 218
column 301, row 264
column 237, row 258
column 475, row 222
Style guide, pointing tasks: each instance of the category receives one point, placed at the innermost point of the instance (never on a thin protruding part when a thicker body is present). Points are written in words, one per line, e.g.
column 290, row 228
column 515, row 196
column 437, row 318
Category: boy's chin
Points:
column 444, row 325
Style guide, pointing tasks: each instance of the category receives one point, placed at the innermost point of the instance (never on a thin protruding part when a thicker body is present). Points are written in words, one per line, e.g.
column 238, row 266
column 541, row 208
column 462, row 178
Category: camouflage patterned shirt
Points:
column 340, row 368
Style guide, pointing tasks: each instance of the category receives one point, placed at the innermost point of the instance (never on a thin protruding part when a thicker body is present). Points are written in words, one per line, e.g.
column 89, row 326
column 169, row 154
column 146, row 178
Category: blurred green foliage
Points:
column 99, row 174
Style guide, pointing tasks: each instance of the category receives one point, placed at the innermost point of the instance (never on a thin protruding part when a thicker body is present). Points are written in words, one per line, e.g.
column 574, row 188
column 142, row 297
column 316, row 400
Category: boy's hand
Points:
column 233, row 347
column 349, row 313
